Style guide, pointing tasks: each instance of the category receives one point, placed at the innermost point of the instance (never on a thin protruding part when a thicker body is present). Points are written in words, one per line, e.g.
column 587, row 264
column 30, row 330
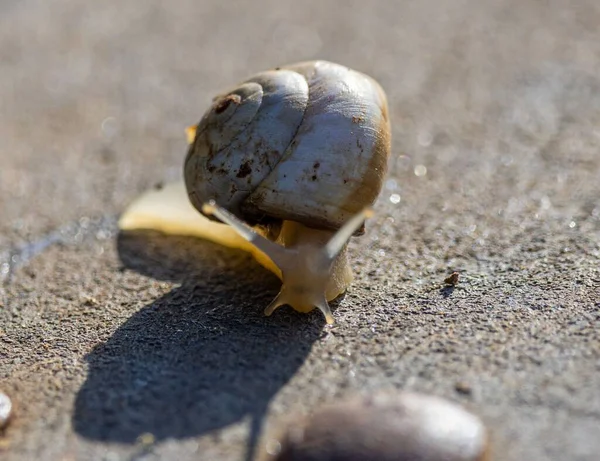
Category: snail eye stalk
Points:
column 277, row 253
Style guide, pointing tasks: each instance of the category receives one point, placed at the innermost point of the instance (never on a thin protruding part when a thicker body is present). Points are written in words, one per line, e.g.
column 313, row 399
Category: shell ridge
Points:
column 247, row 126
column 287, row 151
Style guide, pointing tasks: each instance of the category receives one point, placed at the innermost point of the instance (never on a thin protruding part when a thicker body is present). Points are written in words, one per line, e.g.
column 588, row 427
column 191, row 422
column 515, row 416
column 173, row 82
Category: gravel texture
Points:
column 146, row 347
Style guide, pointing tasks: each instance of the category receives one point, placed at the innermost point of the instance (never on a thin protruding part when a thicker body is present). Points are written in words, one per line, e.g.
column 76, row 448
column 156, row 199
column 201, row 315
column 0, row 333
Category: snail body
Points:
column 291, row 160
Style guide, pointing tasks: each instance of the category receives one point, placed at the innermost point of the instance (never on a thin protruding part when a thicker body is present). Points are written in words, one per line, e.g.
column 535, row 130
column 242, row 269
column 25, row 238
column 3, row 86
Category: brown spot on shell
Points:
column 245, row 169
column 222, row 104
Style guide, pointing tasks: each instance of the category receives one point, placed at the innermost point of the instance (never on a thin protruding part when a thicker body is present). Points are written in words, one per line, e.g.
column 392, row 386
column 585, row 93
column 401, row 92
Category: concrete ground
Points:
column 146, row 347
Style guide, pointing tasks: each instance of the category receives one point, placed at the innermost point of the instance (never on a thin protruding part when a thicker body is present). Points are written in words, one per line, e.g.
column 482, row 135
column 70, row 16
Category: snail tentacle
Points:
column 277, row 302
column 341, row 237
column 277, row 253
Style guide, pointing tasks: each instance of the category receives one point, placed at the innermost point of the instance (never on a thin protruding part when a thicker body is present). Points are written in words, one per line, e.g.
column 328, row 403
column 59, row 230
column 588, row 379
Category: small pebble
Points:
column 90, row 301
column 146, row 439
column 463, row 387
column 387, row 427
column 5, row 410
column 452, row 279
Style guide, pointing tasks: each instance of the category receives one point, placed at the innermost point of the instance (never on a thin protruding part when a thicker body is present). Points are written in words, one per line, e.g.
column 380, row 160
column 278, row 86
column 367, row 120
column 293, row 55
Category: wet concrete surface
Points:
column 151, row 347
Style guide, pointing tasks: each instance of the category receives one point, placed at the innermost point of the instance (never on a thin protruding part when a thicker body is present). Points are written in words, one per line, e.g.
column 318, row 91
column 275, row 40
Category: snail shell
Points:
column 308, row 142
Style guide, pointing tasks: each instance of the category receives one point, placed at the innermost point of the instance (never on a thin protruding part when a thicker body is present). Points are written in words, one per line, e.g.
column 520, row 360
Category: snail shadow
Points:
column 198, row 358
column 447, row 291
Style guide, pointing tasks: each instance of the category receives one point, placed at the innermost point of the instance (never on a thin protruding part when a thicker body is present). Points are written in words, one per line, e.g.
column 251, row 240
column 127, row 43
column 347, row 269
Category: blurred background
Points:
column 94, row 97
column 495, row 172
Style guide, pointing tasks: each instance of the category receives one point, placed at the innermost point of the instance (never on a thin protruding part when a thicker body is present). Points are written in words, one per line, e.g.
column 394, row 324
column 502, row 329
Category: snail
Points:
column 386, row 426
column 291, row 161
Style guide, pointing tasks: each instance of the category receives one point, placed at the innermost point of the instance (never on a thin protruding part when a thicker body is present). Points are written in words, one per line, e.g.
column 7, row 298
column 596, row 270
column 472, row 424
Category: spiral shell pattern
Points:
column 307, row 142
